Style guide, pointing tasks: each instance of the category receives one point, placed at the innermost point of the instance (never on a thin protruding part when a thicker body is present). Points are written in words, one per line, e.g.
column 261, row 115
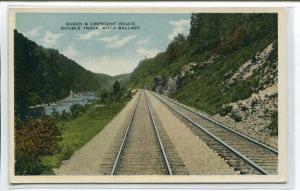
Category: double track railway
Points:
column 240, row 151
column 145, row 151
column 141, row 151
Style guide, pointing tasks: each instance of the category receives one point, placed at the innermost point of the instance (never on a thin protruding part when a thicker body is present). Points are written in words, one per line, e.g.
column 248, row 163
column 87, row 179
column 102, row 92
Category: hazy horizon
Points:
column 106, row 51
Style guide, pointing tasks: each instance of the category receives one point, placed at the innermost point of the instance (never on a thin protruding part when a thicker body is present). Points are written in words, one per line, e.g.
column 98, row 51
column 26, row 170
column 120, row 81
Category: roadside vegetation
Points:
column 42, row 76
column 35, row 138
column 42, row 144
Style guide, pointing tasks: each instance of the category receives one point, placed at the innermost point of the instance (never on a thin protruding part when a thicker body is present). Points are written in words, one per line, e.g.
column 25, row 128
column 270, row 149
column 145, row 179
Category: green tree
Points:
column 116, row 87
column 177, row 47
column 103, row 95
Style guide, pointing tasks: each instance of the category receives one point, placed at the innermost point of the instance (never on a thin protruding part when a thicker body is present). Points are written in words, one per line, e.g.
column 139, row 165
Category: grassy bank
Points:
column 77, row 132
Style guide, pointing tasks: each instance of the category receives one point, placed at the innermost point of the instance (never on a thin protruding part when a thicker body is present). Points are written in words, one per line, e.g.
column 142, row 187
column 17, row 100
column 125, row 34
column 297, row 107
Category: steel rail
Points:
column 225, row 127
column 240, row 155
column 162, row 149
column 117, row 161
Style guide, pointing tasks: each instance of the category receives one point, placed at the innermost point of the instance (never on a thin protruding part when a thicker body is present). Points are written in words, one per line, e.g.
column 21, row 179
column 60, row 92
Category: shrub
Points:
column 273, row 126
column 65, row 115
column 244, row 108
column 76, row 109
column 116, row 93
column 235, row 116
column 225, row 110
column 104, row 95
column 34, row 138
column 116, row 87
column 254, row 102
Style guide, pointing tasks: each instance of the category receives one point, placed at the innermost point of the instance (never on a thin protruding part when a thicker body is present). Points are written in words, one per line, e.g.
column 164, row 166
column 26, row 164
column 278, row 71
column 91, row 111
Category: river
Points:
column 63, row 104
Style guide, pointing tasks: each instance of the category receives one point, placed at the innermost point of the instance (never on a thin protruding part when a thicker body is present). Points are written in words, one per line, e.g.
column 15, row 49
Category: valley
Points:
column 206, row 105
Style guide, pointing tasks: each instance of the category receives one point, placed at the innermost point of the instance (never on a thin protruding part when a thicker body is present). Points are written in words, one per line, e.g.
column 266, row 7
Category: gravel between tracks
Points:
column 87, row 160
column 141, row 155
column 197, row 156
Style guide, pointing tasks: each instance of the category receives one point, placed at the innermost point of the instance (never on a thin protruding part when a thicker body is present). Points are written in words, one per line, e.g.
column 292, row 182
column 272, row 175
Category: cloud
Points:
column 144, row 41
column 147, row 52
column 109, row 64
column 116, row 41
column 88, row 35
column 180, row 26
column 109, row 39
column 50, row 39
column 33, row 32
column 72, row 53
column 91, row 34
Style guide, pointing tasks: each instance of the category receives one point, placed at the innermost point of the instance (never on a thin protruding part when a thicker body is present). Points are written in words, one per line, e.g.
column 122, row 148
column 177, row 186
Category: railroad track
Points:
column 141, row 151
column 244, row 153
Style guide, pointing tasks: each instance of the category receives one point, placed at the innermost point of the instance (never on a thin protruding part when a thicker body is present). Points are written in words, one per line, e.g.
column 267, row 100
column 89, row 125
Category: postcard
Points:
column 147, row 95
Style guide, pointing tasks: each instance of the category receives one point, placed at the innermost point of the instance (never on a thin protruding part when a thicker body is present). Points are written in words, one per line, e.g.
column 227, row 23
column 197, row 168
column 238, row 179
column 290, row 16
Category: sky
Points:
column 110, row 50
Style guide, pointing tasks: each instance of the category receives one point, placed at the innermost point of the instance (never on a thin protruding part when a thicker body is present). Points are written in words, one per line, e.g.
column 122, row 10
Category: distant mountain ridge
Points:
column 44, row 75
column 107, row 80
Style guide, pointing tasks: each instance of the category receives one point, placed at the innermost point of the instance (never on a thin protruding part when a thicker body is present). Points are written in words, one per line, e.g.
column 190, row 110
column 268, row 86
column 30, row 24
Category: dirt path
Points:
column 87, row 160
column 196, row 155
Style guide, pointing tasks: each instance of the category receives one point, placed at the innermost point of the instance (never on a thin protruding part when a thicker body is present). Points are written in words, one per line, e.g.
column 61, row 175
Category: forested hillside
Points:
column 193, row 68
column 44, row 75
column 221, row 67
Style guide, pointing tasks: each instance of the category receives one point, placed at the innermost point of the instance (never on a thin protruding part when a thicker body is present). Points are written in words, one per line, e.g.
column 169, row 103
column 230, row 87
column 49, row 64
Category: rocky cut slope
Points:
column 226, row 60
column 257, row 114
